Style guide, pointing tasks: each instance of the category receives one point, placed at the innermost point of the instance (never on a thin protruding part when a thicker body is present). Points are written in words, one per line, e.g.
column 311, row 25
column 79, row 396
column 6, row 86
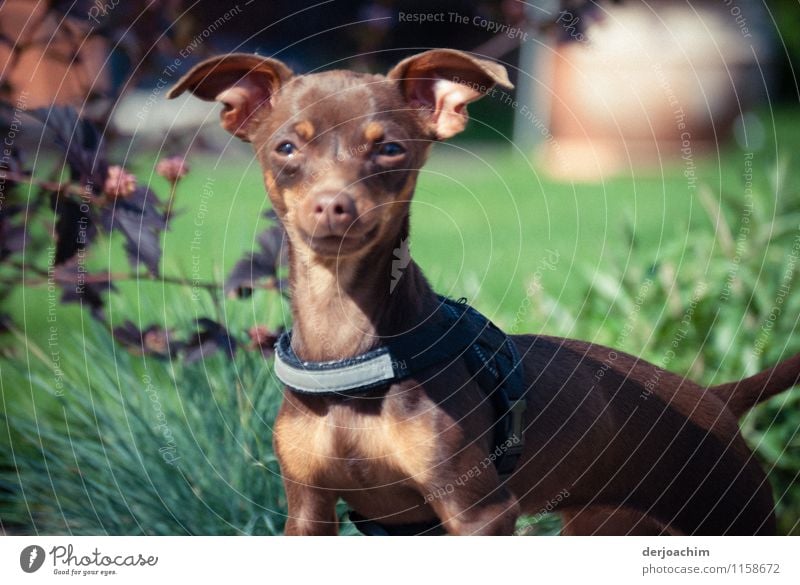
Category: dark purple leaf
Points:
column 140, row 223
column 12, row 239
column 154, row 341
column 79, row 286
column 13, row 232
column 74, row 229
column 5, row 322
column 263, row 339
column 128, row 334
column 78, row 141
column 261, row 265
column 10, row 162
column 81, row 146
column 210, row 338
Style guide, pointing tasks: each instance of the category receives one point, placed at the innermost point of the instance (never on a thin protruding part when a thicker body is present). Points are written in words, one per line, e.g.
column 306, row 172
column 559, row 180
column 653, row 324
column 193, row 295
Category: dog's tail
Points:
column 743, row 395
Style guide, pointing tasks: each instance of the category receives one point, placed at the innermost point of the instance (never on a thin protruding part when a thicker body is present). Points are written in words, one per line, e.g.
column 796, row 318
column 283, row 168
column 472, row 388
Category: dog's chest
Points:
column 348, row 448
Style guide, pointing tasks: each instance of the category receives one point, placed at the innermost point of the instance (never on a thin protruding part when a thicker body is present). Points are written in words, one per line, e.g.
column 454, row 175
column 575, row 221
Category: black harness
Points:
column 461, row 333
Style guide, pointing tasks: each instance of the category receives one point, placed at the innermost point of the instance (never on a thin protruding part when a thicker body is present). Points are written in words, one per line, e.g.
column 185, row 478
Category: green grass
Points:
column 136, row 446
column 532, row 253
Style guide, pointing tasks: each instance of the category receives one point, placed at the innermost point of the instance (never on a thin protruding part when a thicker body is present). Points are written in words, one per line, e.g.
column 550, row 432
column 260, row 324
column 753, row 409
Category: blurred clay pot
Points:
column 48, row 59
column 652, row 83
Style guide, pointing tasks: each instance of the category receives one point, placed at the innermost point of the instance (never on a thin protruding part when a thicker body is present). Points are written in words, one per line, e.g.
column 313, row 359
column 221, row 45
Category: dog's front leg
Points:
column 473, row 502
column 312, row 510
column 493, row 514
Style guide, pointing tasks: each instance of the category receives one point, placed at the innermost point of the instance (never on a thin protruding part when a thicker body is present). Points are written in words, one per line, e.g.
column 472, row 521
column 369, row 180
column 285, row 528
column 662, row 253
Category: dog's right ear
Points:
column 244, row 84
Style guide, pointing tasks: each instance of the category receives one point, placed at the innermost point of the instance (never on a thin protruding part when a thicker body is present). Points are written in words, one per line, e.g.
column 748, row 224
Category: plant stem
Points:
column 67, row 188
column 104, row 278
column 168, row 209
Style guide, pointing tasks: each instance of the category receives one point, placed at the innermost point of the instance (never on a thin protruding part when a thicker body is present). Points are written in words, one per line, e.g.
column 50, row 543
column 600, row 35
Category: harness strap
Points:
column 495, row 363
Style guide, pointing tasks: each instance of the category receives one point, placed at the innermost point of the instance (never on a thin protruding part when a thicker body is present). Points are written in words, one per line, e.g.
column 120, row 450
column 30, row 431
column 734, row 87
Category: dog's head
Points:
column 340, row 151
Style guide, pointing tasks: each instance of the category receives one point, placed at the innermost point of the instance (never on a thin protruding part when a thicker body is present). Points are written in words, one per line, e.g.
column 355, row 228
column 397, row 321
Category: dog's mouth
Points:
column 344, row 245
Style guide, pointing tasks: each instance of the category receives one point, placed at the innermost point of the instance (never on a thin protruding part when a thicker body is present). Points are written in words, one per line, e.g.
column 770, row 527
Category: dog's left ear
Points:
column 442, row 82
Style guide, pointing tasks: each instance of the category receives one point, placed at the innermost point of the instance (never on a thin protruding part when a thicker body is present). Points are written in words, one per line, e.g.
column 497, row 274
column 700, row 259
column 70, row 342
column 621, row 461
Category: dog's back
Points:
column 658, row 443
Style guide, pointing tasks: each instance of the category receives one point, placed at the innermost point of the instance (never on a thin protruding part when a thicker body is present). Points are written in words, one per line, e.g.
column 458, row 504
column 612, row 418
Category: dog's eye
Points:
column 390, row 149
column 286, row 148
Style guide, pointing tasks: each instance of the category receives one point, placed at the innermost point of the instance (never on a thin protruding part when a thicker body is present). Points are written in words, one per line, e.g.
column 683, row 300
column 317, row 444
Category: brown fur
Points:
column 613, row 442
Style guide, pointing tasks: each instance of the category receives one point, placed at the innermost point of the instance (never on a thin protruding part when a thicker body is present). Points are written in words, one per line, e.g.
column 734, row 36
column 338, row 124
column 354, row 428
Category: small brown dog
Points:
column 614, row 443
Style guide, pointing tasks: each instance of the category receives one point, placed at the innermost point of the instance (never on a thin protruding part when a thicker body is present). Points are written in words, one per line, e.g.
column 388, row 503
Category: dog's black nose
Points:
column 335, row 211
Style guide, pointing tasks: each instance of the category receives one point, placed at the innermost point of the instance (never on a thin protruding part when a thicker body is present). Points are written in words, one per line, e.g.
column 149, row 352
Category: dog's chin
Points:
column 333, row 246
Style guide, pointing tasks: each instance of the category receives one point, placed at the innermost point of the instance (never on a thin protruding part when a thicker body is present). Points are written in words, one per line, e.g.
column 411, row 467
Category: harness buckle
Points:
column 514, row 442
column 517, row 410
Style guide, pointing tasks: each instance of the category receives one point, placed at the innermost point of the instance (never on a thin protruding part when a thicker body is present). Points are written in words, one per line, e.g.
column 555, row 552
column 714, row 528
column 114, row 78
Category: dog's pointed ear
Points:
column 244, row 84
column 442, row 82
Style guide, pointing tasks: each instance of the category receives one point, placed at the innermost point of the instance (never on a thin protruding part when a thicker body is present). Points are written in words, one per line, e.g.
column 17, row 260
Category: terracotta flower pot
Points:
column 652, row 83
column 48, row 59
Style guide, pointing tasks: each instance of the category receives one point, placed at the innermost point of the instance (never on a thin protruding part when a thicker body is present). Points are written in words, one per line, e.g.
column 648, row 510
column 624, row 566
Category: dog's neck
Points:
column 344, row 307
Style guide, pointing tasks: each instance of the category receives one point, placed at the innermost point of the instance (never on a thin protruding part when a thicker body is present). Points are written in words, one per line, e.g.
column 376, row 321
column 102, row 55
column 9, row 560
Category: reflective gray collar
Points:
column 363, row 372
column 447, row 335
